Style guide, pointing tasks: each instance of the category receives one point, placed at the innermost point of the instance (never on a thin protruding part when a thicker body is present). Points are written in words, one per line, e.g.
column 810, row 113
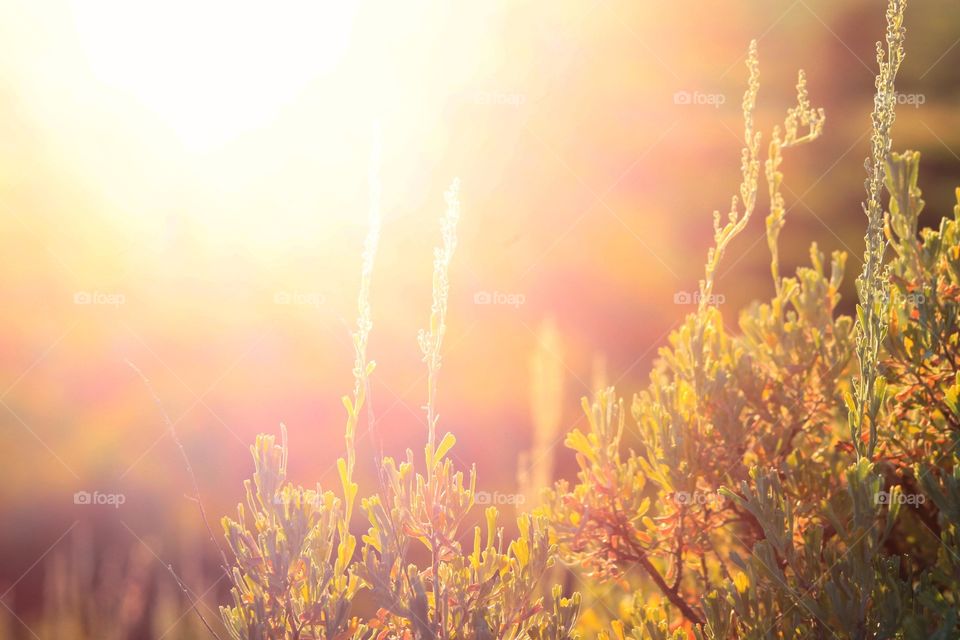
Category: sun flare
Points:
column 213, row 69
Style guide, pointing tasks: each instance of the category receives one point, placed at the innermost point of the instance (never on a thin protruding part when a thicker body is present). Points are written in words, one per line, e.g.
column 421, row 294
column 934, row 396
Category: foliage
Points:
column 771, row 489
column 796, row 478
column 716, row 405
column 297, row 570
column 869, row 388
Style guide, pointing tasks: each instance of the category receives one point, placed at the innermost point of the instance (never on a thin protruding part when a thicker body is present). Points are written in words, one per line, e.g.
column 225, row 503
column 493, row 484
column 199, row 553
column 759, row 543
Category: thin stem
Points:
column 431, row 341
column 171, row 428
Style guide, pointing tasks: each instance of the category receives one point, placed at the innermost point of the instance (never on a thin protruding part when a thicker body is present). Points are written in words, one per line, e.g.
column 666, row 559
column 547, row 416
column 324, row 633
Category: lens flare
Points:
column 212, row 69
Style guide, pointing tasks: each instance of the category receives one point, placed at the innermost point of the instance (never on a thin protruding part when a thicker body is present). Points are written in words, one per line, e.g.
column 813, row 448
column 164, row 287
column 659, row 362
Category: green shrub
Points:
column 296, row 572
column 796, row 478
column 776, row 489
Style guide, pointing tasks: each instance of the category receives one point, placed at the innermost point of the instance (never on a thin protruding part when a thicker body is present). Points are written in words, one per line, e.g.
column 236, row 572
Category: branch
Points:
column 640, row 555
column 186, row 461
column 673, row 596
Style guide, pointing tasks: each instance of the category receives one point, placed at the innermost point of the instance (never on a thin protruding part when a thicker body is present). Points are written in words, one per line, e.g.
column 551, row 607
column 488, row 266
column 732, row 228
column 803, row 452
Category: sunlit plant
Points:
column 794, row 478
column 297, row 568
column 774, row 485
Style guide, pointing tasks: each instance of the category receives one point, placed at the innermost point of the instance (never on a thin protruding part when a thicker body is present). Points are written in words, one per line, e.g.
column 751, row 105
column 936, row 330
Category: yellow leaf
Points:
column 475, row 556
column 342, row 468
column 741, row 581
column 618, row 629
column 444, row 446
column 579, row 443
column 373, row 541
column 521, row 551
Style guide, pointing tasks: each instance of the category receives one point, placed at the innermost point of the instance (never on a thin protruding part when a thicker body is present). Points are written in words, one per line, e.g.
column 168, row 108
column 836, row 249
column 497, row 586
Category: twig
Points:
column 186, row 460
column 192, row 600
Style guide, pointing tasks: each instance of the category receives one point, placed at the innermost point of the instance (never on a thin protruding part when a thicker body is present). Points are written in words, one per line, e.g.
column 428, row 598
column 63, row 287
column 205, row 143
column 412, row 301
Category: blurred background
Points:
column 183, row 186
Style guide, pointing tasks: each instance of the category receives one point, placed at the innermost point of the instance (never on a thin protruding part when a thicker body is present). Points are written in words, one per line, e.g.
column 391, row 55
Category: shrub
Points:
column 296, row 570
column 776, row 490
column 796, row 478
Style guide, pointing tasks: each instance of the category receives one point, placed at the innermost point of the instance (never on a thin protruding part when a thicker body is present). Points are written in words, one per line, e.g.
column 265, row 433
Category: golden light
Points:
column 212, row 69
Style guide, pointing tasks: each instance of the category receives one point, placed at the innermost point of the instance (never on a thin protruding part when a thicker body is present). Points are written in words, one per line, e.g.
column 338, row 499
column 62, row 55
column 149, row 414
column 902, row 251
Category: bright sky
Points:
column 251, row 120
column 216, row 68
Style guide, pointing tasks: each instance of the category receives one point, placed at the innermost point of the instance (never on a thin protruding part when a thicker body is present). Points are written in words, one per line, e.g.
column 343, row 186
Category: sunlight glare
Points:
column 212, row 69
